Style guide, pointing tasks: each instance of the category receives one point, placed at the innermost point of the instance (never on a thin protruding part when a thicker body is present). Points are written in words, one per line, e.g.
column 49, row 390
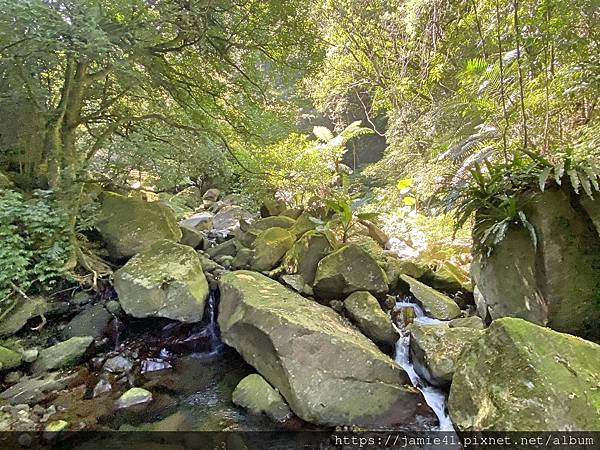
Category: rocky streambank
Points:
column 229, row 320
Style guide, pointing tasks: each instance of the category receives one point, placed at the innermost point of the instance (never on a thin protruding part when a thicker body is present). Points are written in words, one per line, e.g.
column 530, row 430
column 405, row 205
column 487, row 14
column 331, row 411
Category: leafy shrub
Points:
column 34, row 240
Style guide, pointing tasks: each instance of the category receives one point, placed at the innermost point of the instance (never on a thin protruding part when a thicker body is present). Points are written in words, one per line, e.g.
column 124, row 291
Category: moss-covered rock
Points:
column 270, row 247
column 63, row 354
column 436, row 304
column 193, row 237
column 522, row 377
column 394, row 267
column 243, row 259
column 272, row 207
column 227, row 248
column 272, row 222
column 436, row 349
column 448, row 277
column 133, row 397
column 229, row 217
column 164, row 281
column 303, row 224
column 9, row 358
column 467, row 322
column 18, row 311
column 348, row 270
column 257, row 396
column 367, row 315
column 129, row 225
column 305, row 254
column 328, row 372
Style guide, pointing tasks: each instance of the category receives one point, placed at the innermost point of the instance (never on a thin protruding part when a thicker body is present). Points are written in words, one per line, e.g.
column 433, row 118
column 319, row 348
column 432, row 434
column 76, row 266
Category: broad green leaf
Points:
column 574, row 180
column 544, row 177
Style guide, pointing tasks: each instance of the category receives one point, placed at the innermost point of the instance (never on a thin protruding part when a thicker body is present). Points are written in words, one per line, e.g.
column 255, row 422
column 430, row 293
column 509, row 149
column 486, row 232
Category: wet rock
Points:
column 166, row 280
column 193, row 237
column 269, row 248
column 21, row 310
column 467, row 322
column 202, row 221
column 63, row 354
column 272, row 207
column 102, row 387
column 114, row 307
column 436, row 348
column 9, row 358
column 92, row 321
column 348, row 270
column 132, row 397
column 228, row 218
column 257, row 396
column 519, row 376
column 118, row 364
column 435, row 304
column 305, row 254
column 328, row 372
column 154, row 365
column 34, row 390
column 367, row 315
column 129, row 225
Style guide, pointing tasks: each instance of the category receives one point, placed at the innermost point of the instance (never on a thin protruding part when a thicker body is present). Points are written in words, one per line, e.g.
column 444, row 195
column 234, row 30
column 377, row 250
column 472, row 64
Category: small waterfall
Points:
column 435, row 398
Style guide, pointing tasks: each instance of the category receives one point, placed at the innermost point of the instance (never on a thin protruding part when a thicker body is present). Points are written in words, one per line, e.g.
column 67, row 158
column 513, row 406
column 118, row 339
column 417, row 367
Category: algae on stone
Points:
column 365, row 312
column 436, row 304
column 256, row 395
column 270, row 247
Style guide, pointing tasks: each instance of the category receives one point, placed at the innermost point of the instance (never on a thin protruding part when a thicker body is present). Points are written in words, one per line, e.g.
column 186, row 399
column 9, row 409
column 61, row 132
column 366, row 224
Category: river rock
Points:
column 193, row 237
column 437, row 348
column 328, row 372
column 243, row 259
column 519, row 376
column 202, row 221
column 9, row 358
column 34, row 390
column 256, row 395
column 270, row 247
column 272, row 222
column 394, row 267
column 227, row 248
column 348, row 270
column 132, row 397
column 129, row 225
column 63, row 354
column 474, row 322
column 212, row 195
column 228, row 218
column 164, row 281
column 21, row 311
column 92, row 321
column 435, row 304
column 272, row 207
column 448, row 277
column 367, row 315
column 306, row 253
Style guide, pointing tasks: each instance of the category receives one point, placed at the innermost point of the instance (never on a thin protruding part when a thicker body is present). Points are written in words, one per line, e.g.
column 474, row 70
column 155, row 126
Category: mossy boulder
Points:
column 367, row 315
column 305, row 254
column 9, row 359
column 270, row 247
column 327, row 371
column 164, row 281
column 19, row 311
column 467, row 322
column 229, row 217
column 129, row 225
column 448, row 277
column 347, row 270
column 63, row 354
column 519, row 376
column 272, row 207
column 436, row 348
column 272, row 222
column 257, row 396
column 227, row 248
column 193, row 237
column 435, row 304
column 394, row 267
column 202, row 221
column 133, row 397
column 303, row 224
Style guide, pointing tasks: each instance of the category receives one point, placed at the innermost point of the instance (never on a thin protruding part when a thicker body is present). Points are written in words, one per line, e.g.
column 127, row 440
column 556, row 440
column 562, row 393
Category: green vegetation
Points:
column 480, row 102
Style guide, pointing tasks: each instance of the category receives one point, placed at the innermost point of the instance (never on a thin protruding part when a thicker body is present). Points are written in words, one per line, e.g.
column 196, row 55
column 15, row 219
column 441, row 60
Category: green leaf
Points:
column 323, row 134
column 409, row 201
column 559, row 170
column 585, row 183
column 574, row 180
column 544, row 177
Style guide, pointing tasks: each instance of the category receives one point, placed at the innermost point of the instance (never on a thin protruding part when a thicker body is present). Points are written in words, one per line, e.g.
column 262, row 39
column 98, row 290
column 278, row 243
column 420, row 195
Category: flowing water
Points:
column 435, row 398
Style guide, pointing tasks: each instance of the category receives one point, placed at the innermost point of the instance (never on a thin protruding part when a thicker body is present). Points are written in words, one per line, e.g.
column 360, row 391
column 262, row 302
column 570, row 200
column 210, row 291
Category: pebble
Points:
column 102, row 387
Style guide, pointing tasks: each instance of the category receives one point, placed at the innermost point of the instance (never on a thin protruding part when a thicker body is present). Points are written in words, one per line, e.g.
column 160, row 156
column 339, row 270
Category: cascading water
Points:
column 435, row 398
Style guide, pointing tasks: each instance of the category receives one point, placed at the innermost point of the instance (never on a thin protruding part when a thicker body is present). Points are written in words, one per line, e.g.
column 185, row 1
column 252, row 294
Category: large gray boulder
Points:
column 202, row 221
column 63, row 354
column 229, row 217
column 435, row 304
column 522, row 377
column 164, row 281
column 367, row 315
column 92, row 321
column 270, row 247
column 328, row 372
column 348, row 270
column 437, row 347
column 556, row 283
column 130, row 225
column 305, row 254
